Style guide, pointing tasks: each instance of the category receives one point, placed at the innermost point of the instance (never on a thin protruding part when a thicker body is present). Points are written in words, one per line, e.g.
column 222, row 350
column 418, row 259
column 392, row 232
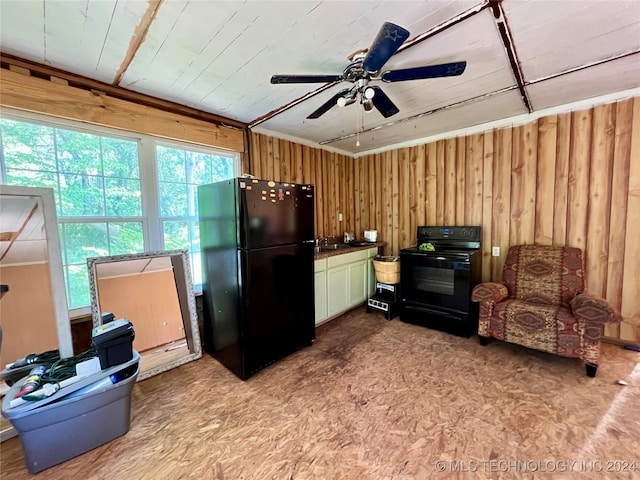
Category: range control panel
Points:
column 469, row 234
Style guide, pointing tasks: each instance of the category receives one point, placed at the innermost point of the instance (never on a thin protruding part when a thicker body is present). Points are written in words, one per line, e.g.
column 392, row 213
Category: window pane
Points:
column 120, row 158
column 77, row 286
column 195, row 235
column 170, row 163
column 126, row 237
column 198, row 168
column 84, row 240
column 78, row 152
column 221, row 168
column 28, row 146
column 81, row 195
column 123, row 197
column 176, row 235
column 173, row 199
column 32, row 178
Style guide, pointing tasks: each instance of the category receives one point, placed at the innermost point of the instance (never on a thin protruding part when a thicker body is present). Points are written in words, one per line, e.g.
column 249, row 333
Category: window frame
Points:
column 153, row 235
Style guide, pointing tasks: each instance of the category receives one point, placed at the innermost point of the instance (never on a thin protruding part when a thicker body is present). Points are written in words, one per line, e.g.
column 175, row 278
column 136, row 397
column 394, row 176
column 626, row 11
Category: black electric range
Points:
column 436, row 280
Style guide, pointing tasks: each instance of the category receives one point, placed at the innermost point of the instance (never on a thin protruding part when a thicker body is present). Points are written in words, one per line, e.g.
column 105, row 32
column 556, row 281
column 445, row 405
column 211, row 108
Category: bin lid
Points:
column 111, row 330
column 11, row 412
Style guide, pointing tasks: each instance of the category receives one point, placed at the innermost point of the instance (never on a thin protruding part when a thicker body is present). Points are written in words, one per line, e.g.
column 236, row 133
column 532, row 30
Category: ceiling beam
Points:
column 73, row 80
column 139, row 34
column 443, row 26
column 15, row 235
column 505, row 33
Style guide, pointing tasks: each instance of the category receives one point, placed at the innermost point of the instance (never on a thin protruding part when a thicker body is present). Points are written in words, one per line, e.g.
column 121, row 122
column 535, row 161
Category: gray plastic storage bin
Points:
column 66, row 425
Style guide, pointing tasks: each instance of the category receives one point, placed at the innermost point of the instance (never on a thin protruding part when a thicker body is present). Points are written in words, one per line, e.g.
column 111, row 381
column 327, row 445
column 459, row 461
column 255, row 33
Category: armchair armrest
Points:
column 489, row 292
column 593, row 309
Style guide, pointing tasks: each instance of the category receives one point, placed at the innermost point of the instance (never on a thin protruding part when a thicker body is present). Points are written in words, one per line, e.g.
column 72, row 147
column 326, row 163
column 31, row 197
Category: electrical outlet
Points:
column 495, row 251
column 339, row 217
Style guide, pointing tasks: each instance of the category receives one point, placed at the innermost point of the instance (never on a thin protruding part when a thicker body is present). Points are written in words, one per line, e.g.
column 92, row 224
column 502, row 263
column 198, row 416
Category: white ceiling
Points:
column 137, row 266
column 23, row 239
column 218, row 56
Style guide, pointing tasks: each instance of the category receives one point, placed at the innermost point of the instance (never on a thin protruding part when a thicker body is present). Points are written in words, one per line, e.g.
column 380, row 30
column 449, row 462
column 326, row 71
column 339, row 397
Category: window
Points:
column 180, row 171
column 115, row 193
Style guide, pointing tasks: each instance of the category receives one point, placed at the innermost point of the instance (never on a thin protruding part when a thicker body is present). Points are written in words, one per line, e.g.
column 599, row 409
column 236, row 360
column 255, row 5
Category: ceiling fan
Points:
column 366, row 67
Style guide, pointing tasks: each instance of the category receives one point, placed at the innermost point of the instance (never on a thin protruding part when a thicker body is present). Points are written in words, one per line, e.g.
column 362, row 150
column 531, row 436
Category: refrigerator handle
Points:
column 245, row 273
column 308, row 241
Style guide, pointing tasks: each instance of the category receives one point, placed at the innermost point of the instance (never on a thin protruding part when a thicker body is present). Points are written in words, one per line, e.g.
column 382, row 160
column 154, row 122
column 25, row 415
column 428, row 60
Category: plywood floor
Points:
column 373, row 399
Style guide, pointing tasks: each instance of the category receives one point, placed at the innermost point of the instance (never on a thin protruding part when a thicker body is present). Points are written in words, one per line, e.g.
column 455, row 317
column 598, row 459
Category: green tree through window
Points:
column 101, row 195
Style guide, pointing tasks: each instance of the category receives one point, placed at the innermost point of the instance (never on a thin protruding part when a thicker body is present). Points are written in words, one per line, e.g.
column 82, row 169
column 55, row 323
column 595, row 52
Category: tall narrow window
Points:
column 180, row 171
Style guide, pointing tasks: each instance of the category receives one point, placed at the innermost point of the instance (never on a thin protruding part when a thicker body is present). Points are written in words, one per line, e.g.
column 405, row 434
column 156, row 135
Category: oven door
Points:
column 439, row 280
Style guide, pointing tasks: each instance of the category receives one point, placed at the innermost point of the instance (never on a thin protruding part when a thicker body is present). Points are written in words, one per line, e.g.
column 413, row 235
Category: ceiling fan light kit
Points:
column 366, row 68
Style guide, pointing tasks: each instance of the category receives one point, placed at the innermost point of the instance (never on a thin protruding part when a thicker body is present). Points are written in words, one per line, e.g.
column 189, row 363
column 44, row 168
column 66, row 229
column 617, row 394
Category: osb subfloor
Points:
column 373, row 399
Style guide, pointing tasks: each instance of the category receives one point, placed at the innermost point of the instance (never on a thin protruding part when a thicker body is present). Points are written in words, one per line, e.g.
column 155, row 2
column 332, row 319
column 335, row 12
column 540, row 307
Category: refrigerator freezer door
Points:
column 277, row 293
column 274, row 213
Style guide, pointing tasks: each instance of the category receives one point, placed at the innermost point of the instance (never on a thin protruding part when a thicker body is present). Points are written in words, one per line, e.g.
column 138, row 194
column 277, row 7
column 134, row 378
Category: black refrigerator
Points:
column 257, row 262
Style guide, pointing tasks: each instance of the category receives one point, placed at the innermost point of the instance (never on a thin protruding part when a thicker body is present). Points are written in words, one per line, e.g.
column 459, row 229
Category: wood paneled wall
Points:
column 331, row 173
column 568, row 179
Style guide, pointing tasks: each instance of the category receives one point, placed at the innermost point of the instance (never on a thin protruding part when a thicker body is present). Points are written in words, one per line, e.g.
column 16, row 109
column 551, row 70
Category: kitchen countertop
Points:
column 346, row 249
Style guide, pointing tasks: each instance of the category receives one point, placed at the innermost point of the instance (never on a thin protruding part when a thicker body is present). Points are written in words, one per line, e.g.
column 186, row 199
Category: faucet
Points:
column 323, row 240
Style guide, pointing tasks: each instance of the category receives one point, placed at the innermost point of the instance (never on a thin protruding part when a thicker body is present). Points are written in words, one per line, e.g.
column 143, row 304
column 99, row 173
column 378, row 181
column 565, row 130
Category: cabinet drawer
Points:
column 345, row 258
column 320, row 265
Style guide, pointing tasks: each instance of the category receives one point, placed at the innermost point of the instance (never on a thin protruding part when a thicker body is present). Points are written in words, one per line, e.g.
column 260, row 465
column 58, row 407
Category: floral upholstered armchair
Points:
column 541, row 304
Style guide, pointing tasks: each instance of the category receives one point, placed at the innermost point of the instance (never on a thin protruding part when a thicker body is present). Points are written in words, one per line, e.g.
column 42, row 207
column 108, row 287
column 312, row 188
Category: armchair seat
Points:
column 537, row 326
column 540, row 304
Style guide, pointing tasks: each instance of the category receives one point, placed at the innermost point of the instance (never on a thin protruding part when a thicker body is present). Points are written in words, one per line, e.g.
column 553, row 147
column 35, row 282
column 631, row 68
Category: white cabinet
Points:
column 357, row 282
column 320, row 283
column 343, row 282
column 337, row 289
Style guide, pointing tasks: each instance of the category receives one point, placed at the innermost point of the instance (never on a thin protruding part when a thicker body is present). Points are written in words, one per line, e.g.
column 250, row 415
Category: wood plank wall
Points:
column 566, row 179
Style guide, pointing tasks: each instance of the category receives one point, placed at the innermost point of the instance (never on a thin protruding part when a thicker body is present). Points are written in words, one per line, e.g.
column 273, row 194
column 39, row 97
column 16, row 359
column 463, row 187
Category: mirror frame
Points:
column 58, row 288
column 186, row 298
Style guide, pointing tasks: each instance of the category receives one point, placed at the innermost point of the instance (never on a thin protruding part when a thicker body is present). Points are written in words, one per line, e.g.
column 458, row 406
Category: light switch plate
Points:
column 495, row 251
column 339, row 217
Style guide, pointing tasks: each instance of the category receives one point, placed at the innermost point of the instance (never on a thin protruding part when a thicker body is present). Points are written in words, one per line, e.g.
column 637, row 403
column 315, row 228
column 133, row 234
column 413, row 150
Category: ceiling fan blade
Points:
column 305, row 78
column 389, row 39
column 328, row 105
column 419, row 73
column 383, row 103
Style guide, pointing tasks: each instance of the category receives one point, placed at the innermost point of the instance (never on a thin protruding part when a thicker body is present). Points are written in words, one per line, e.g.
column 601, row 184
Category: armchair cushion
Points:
column 549, row 328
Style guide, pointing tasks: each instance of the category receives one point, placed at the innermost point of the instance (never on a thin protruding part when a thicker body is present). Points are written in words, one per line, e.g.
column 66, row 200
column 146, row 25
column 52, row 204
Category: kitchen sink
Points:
column 332, row 247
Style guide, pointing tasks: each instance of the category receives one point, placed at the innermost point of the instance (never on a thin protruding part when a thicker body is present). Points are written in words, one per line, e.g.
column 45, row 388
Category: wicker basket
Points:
column 387, row 269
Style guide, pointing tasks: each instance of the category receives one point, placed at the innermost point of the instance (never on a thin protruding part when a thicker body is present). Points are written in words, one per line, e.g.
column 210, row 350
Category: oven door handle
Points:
column 439, row 256
column 440, row 261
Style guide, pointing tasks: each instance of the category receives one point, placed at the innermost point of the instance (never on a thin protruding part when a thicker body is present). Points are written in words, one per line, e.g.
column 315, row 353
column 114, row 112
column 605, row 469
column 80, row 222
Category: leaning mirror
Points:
column 154, row 291
column 33, row 306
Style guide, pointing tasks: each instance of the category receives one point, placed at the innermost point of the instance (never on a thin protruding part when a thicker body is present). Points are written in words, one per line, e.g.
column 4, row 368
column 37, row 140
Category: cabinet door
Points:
column 321, row 296
column 357, row 282
column 337, row 290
